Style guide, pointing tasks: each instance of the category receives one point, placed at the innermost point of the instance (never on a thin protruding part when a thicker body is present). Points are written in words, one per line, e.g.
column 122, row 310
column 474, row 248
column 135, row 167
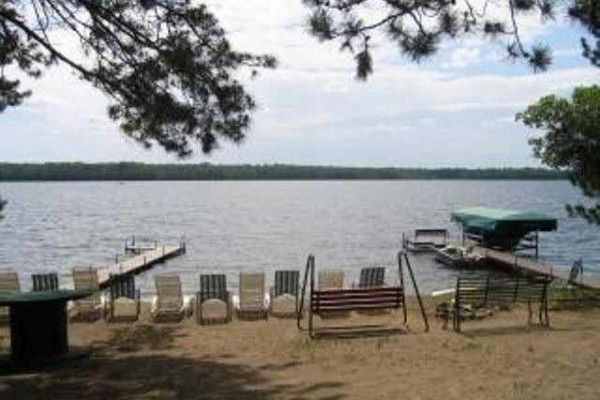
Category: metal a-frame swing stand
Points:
column 356, row 299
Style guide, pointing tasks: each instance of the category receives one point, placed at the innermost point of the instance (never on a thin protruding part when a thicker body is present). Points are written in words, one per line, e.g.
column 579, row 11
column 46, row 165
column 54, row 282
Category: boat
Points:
column 452, row 256
column 425, row 240
column 457, row 256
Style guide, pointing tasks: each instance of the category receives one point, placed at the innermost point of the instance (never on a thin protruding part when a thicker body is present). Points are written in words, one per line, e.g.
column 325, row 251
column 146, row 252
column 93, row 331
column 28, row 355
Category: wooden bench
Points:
column 487, row 292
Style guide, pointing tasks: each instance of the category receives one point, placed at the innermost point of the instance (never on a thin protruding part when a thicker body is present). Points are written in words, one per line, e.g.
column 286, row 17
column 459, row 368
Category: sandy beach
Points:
column 500, row 357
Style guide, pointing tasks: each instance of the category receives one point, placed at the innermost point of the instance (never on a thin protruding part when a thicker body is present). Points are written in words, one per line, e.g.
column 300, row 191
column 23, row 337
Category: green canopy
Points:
column 502, row 228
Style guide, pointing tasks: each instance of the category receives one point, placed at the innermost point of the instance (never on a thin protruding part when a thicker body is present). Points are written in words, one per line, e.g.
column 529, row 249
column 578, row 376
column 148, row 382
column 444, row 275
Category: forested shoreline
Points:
column 128, row 171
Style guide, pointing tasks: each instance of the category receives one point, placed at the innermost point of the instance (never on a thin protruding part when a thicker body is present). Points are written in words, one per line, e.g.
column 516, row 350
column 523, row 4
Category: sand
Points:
column 500, row 357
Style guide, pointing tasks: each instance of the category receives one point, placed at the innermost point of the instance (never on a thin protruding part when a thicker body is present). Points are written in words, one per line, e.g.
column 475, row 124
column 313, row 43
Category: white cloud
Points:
column 311, row 109
column 463, row 57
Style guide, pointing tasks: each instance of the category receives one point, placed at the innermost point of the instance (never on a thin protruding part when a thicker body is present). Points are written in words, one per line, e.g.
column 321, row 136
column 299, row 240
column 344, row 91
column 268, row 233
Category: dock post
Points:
column 401, row 275
column 311, row 260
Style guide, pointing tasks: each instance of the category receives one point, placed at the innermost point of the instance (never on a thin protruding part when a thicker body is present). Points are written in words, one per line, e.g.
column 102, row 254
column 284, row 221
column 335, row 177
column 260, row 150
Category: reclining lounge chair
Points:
column 212, row 300
column 89, row 308
column 252, row 296
column 284, row 294
column 169, row 304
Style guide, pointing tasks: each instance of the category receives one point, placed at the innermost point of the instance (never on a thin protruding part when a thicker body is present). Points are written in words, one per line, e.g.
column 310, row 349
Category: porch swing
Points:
column 328, row 301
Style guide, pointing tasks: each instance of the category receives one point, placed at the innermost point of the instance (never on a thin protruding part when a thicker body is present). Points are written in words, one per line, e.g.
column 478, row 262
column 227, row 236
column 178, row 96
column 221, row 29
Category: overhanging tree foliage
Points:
column 588, row 13
column 166, row 65
column 570, row 140
column 418, row 27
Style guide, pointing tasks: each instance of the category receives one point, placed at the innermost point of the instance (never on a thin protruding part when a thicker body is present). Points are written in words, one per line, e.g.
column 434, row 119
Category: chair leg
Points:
column 446, row 318
column 310, row 320
column 546, row 319
column 530, row 315
column 457, row 320
column 454, row 319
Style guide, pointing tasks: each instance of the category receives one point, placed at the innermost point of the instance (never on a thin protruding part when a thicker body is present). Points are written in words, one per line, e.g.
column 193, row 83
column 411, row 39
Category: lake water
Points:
column 229, row 226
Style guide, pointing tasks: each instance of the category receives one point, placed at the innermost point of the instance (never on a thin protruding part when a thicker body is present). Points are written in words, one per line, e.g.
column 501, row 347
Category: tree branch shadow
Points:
column 142, row 337
column 504, row 330
column 133, row 364
column 154, row 377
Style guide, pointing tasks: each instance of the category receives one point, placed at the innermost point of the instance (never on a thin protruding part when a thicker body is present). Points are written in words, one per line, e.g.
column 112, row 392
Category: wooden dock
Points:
column 139, row 262
column 515, row 262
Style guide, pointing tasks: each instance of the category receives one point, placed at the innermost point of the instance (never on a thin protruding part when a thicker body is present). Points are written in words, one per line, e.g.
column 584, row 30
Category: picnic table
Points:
column 38, row 322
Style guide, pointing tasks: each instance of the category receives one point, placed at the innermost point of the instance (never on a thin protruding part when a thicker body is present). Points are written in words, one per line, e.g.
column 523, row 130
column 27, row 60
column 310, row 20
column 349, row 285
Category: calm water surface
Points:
column 229, row 226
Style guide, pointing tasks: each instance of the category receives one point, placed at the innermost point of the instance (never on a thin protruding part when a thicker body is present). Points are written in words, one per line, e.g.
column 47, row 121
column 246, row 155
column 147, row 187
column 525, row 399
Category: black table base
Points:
column 38, row 330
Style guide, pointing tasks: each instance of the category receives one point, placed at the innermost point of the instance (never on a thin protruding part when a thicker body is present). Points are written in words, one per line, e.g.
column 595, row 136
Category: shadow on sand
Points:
column 132, row 365
column 356, row 332
column 504, row 330
column 142, row 337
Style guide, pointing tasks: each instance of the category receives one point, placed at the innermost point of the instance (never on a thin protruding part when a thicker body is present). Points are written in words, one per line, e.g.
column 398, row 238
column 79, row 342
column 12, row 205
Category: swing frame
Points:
column 356, row 299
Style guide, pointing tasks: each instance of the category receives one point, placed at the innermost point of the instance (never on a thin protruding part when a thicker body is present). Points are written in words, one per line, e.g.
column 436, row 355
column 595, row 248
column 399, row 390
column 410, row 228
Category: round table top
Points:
column 14, row 298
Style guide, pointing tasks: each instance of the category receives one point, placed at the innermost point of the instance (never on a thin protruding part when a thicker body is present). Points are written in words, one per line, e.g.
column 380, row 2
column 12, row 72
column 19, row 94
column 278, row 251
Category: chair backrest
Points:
column 287, row 281
column 87, row 279
column 331, row 279
column 9, row 281
column 499, row 291
column 213, row 286
column 168, row 290
column 122, row 286
column 576, row 270
column 372, row 277
column 252, row 288
column 44, row 282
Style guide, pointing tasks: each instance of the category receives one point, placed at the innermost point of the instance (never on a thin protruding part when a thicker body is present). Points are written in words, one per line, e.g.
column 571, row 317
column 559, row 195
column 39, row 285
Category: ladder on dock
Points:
column 531, row 266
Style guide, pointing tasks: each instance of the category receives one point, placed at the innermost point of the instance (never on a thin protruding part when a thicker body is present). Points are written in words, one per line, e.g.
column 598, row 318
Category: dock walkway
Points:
column 532, row 266
column 139, row 262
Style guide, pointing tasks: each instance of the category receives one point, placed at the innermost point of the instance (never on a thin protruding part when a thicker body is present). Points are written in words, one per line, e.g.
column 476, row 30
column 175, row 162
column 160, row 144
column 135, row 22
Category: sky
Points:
column 454, row 110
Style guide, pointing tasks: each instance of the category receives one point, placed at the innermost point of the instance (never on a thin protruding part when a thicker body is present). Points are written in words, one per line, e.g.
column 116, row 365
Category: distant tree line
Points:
column 127, row 171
